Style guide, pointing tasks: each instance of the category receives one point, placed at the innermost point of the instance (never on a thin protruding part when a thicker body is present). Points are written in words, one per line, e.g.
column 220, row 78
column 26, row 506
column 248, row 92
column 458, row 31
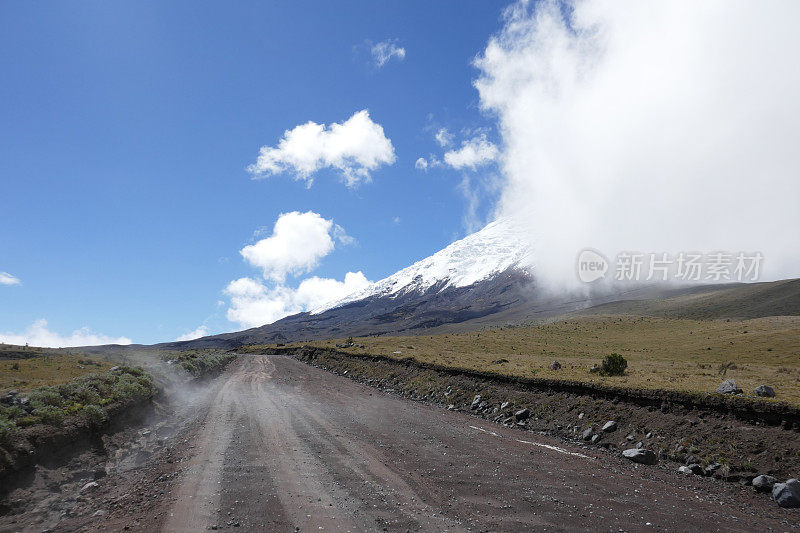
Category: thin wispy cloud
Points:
column 8, row 279
column 201, row 331
column 385, row 51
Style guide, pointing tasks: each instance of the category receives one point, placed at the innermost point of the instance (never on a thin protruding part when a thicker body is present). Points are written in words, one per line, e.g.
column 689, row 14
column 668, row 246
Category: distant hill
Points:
column 740, row 300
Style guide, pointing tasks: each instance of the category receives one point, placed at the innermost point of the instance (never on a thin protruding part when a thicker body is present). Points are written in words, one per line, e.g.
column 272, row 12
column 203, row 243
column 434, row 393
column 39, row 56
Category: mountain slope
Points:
column 497, row 248
column 484, row 280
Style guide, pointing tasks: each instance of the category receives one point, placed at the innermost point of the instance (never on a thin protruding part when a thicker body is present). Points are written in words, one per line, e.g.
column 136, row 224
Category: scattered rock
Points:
column 640, row 455
column 787, row 494
column 580, row 416
column 100, row 512
column 555, row 365
column 505, row 405
column 685, row 470
column 610, row 426
column 763, row 483
column 728, row 387
column 710, row 469
column 588, row 434
column 595, row 438
column 595, row 369
column 113, row 369
column 522, row 414
column 696, row 469
column 765, row 391
column 476, row 401
column 90, row 486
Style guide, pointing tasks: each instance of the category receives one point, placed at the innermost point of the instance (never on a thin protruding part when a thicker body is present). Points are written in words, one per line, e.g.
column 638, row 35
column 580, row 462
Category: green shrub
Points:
column 94, row 415
column 82, row 396
column 7, row 428
column 49, row 415
column 46, row 396
column 613, row 365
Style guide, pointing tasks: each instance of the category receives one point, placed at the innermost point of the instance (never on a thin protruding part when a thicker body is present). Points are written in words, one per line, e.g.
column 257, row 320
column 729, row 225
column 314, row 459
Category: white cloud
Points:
column 37, row 334
column 652, row 126
column 421, row 164
column 254, row 304
column 474, row 153
column 444, row 137
column 201, row 331
column 314, row 292
column 355, row 148
column 297, row 243
column 384, row 51
column 8, row 279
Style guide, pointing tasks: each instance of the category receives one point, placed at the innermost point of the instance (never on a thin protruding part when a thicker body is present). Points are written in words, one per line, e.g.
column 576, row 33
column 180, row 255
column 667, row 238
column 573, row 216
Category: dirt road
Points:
column 284, row 446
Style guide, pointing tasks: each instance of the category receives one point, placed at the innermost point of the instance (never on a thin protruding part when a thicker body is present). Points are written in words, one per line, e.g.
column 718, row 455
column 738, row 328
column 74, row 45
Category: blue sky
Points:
column 131, row 134
column 128, row 127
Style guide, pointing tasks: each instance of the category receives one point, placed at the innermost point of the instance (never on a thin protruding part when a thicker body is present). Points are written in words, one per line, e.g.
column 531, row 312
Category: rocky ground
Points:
column 280, row 445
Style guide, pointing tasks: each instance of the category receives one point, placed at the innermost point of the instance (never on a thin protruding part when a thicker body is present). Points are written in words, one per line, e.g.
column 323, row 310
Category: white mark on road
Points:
column 554, row 448
column 549, row 447
column 492, row 433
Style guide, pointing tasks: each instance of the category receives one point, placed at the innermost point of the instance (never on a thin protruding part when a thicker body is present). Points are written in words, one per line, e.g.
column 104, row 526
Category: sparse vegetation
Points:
column 200, row 362
column 613, row 365
column 45, row 369
column 86, row 397
column 662, row 353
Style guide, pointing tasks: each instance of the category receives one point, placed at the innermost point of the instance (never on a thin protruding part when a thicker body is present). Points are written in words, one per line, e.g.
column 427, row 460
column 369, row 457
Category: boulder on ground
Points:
column 640, row 455
column 594, row 369
column 90, row 486
column 610, row 426
column 555, row 365
column 685, row 470
column 595, row 438
column 728, row 387
column 787, row 494
column 763, row 483
column 696, row 469
column 476, row 401
column 765, row 391
column 522, row 414
column 587, row 434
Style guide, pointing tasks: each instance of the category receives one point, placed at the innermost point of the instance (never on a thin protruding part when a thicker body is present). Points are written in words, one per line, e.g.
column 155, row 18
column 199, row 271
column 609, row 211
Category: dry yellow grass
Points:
column 25, row 374
column 663, row 353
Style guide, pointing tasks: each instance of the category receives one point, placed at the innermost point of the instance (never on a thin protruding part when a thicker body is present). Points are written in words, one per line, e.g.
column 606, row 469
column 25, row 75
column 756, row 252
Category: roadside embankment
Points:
column 733, row 438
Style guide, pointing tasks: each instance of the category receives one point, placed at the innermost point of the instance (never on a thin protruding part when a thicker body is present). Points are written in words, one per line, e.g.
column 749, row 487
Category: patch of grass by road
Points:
column 47, row 369
column 86, row 397
column 675, row 354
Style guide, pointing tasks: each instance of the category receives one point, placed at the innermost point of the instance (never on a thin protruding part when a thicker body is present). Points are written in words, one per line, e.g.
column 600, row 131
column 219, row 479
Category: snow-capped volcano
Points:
column 481, row 275
column 496, row 248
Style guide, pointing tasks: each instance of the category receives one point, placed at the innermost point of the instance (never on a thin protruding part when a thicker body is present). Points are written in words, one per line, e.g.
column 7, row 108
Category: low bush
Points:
column 201, row 362
column 84, row 396
column 613, row 365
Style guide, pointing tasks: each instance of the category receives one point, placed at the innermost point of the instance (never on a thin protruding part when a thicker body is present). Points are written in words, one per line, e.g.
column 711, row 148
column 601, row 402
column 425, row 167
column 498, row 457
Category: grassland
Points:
column 662, row 353
column 45, row 369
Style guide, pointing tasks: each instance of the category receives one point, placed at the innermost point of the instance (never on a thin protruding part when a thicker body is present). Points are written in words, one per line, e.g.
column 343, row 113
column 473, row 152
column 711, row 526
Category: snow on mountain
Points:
column 492, row 250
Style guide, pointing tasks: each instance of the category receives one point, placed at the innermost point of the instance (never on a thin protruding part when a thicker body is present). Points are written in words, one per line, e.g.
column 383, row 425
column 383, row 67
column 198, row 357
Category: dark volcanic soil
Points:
column 283, row 445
